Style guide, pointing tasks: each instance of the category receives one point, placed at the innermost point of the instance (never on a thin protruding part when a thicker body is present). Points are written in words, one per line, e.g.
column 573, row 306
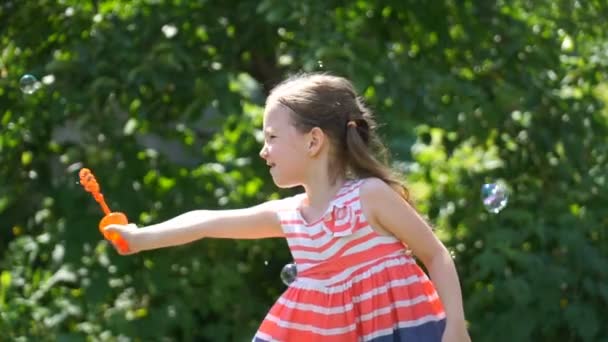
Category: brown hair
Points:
column 332, row 104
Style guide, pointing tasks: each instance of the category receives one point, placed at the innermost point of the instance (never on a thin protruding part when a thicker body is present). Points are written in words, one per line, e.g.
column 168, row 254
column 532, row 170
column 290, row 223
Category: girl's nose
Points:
column 263, row 152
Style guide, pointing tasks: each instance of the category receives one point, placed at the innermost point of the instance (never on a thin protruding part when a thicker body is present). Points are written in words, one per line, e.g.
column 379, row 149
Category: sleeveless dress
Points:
column 353, row 284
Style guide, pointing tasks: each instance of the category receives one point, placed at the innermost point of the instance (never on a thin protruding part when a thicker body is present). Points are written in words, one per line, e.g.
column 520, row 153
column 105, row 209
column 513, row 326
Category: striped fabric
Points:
column 353, row 284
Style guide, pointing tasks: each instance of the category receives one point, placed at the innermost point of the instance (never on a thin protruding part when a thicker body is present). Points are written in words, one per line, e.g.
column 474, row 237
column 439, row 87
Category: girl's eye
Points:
column 272, row 137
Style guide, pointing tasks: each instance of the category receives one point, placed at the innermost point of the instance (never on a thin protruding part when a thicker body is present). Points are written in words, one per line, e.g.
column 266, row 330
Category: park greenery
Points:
column 163, row 100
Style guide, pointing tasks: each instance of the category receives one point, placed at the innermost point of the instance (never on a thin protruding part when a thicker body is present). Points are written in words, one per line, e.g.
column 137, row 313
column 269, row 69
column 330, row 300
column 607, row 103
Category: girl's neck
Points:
column 321, row 192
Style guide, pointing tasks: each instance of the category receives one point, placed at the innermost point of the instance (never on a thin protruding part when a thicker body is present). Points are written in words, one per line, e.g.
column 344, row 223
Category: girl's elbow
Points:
column 439, row 254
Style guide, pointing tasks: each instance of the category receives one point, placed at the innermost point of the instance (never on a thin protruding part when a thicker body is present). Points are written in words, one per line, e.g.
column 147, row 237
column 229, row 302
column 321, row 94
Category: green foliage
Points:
column 163, row 101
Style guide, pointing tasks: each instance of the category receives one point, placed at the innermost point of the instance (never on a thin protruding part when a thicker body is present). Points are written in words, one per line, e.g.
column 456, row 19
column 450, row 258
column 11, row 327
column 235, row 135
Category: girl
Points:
column 349, row 232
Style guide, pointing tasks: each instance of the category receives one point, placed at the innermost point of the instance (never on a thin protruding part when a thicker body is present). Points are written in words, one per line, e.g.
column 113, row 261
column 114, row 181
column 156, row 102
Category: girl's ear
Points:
column 316, row 140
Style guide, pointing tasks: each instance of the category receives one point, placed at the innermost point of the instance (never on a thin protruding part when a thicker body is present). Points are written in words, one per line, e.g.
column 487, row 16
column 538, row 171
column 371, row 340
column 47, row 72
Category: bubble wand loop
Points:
column 88, row 181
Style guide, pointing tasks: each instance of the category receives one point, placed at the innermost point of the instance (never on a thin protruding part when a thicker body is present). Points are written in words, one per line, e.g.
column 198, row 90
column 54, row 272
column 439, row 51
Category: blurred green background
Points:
column 163, row 101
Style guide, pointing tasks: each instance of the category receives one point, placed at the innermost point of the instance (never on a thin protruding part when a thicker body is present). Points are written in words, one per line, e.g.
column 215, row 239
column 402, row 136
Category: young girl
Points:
column 349, row 232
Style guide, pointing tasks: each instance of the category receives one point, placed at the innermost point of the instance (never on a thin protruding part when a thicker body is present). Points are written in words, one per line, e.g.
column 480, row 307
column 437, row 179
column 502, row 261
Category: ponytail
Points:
column 367, row 156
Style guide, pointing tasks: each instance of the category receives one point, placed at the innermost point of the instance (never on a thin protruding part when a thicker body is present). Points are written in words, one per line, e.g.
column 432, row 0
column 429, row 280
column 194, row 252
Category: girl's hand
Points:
column 129, row 234
column 455, row 333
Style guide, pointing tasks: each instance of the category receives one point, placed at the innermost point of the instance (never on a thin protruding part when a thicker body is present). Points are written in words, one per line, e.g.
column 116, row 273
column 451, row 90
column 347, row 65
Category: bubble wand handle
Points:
column 88, row 181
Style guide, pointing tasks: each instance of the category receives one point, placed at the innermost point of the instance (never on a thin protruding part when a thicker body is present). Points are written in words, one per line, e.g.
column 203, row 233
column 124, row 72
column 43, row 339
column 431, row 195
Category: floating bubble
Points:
column 29, row 84
column 494, row 196
column 289, row 273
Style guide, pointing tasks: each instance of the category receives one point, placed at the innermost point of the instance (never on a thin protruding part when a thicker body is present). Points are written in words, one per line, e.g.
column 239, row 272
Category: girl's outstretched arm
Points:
column 255, row 222
column 388, row 211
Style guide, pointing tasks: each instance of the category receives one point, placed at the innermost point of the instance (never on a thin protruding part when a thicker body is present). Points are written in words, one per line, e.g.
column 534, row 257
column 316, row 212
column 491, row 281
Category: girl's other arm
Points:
column 385, row 208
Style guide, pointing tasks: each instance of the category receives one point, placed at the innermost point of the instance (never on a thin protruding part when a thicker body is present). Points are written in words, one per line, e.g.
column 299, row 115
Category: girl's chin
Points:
column 282, row 183
column 290, row 186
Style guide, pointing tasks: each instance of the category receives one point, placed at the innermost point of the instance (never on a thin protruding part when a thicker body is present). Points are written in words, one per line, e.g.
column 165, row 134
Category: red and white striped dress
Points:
column 353, row 284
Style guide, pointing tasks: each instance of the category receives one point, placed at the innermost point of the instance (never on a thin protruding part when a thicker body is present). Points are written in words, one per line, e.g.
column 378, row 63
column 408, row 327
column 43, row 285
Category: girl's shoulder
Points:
column 373, row 189
column 287, row 203
column 371, row 184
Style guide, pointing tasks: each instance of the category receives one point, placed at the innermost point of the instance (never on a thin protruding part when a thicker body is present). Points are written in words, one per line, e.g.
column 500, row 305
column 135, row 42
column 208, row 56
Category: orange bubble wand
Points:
column 87, row 180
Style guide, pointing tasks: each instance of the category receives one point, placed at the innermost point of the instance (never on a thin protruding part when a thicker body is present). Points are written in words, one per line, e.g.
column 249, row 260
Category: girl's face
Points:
column 284, row 147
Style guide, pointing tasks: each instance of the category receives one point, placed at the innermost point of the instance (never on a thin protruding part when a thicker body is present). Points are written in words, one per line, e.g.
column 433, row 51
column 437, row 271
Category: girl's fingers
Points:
column 118, row 235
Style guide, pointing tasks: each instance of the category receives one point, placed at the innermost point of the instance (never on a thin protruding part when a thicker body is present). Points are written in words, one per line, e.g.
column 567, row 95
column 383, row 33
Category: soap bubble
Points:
column 29, row 84
column 494, row 196
column 289, row 273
